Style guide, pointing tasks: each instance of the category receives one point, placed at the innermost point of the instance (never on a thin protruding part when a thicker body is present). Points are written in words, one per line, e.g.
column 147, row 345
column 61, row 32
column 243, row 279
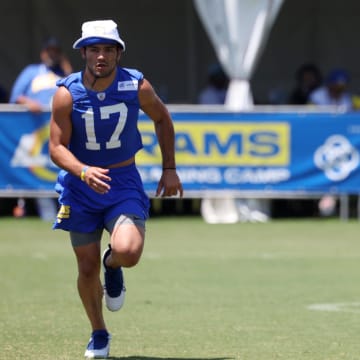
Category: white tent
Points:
column 238, row 30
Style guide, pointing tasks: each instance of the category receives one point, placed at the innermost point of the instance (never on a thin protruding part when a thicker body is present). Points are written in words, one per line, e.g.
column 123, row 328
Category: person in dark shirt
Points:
column 308, row 78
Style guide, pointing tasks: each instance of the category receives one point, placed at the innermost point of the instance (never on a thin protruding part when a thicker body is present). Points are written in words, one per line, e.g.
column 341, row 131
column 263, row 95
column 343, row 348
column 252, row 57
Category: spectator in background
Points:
column 308, row 78
column 215, row 91
column 334, row 91
column 34, row 88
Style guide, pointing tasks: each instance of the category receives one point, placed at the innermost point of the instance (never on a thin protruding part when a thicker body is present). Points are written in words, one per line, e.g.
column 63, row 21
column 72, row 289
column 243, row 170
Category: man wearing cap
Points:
column 34, row 88
column 36, row 84
column 334, row 92
column 94, row 139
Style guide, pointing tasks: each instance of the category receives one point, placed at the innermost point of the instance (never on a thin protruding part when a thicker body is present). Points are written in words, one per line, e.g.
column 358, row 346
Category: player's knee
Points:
column 88, row 270
column 126, row 257
column 131, row 260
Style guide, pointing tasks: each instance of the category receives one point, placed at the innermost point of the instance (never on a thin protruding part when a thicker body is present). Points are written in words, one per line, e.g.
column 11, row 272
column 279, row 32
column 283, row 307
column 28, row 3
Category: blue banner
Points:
column 24, row 157
column 274, row 152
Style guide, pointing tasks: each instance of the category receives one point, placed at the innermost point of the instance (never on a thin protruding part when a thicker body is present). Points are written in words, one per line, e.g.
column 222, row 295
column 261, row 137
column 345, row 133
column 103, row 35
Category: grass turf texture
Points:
column 201, row 291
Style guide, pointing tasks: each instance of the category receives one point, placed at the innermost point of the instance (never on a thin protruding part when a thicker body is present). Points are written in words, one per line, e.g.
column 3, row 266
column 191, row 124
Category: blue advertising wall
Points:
column 246, row 152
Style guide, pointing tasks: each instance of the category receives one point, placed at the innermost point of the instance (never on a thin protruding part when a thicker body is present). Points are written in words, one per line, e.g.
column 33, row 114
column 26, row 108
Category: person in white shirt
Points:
column 334, row 92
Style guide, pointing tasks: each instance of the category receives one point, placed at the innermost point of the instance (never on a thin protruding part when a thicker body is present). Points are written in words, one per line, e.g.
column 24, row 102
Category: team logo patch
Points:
column 64, row 213
column 337, row 157
column 129, row 85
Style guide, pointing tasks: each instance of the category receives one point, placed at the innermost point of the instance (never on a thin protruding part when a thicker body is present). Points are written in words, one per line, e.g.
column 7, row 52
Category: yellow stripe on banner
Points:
column 41, row 136
column 225, row 143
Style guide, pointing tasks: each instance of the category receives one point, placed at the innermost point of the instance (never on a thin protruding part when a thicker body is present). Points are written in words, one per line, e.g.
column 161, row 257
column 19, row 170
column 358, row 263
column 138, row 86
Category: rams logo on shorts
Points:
column 64, row 213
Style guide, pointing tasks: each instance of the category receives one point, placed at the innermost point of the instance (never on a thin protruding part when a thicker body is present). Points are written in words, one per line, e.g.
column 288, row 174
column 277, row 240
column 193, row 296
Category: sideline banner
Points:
column 273, row 152
column 24, row 158
column 257, row 152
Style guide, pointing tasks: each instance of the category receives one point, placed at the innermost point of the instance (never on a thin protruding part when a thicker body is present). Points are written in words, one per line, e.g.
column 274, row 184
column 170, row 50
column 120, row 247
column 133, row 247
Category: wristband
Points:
column 82, row 174
column 170, row 168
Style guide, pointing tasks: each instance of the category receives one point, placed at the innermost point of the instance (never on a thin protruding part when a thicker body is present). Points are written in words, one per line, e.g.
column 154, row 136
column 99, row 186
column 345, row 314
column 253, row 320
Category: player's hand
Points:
column 34, row 106
column 97, row 179
column 169, row 184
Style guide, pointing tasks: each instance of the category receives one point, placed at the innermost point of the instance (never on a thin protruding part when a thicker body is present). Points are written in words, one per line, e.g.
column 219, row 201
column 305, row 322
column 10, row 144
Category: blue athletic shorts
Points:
column 84, row 210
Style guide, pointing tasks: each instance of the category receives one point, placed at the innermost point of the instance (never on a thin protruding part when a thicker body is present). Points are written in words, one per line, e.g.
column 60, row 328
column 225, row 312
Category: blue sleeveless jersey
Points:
column 104, row 124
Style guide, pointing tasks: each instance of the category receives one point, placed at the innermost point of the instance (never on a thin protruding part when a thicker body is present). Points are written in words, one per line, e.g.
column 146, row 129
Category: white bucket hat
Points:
column 99, row 31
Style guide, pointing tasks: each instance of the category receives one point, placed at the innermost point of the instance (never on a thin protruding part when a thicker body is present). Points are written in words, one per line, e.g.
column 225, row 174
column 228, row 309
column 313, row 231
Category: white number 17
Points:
column 105, row 111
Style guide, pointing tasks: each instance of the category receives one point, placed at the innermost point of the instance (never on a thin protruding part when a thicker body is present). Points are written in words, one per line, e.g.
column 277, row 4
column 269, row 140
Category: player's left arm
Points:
column 152, row 105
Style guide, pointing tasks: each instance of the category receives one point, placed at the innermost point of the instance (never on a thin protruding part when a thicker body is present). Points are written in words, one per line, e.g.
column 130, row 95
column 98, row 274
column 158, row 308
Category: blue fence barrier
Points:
column 262, row 153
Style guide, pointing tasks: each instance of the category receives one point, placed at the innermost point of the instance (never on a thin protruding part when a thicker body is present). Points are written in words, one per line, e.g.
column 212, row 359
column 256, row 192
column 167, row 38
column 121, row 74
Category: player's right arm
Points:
column 60, row 135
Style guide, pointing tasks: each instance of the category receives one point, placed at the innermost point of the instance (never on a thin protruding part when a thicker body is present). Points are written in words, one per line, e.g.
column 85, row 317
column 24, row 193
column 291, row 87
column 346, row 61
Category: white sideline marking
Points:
column 152, row 255
column 39, row 256
column 350, row 307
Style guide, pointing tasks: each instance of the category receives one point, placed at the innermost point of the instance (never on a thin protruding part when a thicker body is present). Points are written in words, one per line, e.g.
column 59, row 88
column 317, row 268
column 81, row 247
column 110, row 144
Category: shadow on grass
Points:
column 166, row 358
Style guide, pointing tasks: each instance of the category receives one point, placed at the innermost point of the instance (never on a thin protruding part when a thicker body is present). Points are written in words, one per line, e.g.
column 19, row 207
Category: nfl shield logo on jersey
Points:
column 101, row 96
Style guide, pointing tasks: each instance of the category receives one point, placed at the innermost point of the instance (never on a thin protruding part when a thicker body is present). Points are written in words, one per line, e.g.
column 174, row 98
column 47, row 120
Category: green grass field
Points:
column 201, row 292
